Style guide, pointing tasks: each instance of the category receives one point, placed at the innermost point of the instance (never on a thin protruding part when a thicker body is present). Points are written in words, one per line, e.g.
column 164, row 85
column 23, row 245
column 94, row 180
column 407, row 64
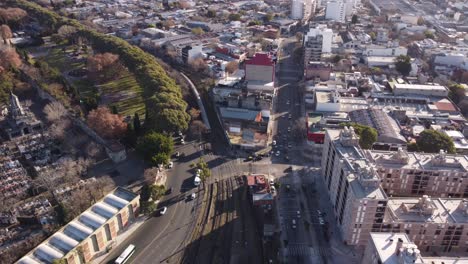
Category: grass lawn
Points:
column 125, row 94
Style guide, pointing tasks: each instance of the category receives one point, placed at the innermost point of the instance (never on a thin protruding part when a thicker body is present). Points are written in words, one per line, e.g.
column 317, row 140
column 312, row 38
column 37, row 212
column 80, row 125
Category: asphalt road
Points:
column 161, row 237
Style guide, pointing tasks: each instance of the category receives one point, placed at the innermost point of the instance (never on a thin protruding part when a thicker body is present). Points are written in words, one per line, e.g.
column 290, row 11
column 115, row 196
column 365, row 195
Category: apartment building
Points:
column 416, row 174
column 397, row 248
column 317, row 41
column 358, row 182
column 336, row 10
column 353, row 186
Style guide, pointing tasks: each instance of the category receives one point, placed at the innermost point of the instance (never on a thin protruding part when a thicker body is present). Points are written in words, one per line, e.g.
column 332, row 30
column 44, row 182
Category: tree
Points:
column 106, row 124
column 234, row 17
column 55, row 111
column 11, row 15
column 403, row 64
column 420, row 21
column 456, row 93
column 197, row 128
column 354, row 19
column 367, row 135
column 160, row 159
column 372, row 35
column 5, row 32
column 299, row 37
column 198, row 65
column 104, row 67
column 197, row 31
column 66, row 31
column 211, row 13
column 268, row 17
column 154, row 143
column 254, row 23
column 136, row 123
column 428, row 34
column 433, row 141
column 194, row 113
column 9, row 58
column 232, row 67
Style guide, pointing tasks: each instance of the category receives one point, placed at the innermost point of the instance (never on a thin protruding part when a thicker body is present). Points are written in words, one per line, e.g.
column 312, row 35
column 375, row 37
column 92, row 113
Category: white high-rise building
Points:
column 297, row 9
column 336, row 10
column 302, row 9
column 316, row 42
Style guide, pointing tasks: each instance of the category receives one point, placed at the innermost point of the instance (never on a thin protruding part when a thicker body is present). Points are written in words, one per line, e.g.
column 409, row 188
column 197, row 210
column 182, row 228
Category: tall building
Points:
column 261, row 67
column 316, row 42
column 353, row 186
column 302, row 9
column 358, row 181
column 336, row 10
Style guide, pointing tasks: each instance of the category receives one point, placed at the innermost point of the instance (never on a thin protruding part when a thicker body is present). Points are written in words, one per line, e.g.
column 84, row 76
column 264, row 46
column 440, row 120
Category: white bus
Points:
column 128, row 252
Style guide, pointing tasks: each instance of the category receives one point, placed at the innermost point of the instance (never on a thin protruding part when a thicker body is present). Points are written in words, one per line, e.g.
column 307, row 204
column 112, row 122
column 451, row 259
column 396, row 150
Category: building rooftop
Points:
column 362, row 177
column 402, row 159
column 71, row 235
column 425, row 209
column 241, row 114
column 386, row 246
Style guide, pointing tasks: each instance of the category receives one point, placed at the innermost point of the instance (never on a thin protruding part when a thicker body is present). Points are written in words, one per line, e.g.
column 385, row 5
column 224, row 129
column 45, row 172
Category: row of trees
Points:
column 432, row 141
column 165, row 107
column 367, row 135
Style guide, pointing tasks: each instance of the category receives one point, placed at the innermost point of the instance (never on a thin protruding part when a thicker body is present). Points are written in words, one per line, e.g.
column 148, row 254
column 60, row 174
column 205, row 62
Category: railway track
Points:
column 212, row 235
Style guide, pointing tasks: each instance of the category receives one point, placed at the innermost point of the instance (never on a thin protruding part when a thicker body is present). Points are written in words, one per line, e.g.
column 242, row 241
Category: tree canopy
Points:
column 367, row 135
column 149, row 74
column 106, row 124
column 155, row 148
column 403, row 64
column 433, row 141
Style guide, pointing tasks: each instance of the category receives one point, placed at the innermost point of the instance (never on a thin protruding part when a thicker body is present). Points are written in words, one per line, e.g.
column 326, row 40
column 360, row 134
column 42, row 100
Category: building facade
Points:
column 89, row 234
column 316, row 42
column 336, row 10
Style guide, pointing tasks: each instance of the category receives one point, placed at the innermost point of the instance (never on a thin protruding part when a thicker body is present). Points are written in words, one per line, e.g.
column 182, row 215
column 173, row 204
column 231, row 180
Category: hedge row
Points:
column 165, row 108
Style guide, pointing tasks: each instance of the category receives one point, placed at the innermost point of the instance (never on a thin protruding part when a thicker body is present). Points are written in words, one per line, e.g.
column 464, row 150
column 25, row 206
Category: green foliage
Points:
column 197, row 31
column 456, row 93
column 205, row 170
column 413, row 147
column 211, row 13
column 433, row 141
column 160, row 159
column 6, row 85
column 148, row 207
column 254, row 23
column 367, row 135
column 268, row 17
column 148, row 73
column 234, row 17
column 153, row 144
column 157, row 191
column 336, row 59
column 59, row 261
column 373, row 35
column 403, row 64
column 428, row 34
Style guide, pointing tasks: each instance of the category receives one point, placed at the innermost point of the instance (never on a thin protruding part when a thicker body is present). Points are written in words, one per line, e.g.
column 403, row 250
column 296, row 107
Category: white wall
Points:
column 297, row 9
column 384, row 51
column 336, row 10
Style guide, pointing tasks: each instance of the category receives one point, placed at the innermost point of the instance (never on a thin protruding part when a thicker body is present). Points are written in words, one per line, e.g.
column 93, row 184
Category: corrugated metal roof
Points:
column 47, row 254
column 92, row 220
column 115, row 201
column 63, row 242
column 77, row 231
column 104, row 210
column 28, row 260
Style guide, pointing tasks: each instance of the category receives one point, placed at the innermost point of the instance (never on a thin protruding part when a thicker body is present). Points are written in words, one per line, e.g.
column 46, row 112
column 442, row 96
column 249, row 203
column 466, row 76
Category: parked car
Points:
column 278, row 153
column 163, row 210
column 170, row 165
column 193, row 196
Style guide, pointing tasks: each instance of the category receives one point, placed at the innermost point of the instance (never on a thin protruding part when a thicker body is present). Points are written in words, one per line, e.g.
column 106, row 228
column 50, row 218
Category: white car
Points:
column 273, row 189
column 277, row 153
column 182, row 141
column 197, row 181
column 170, row 165
column 289, row 129
column 321, row 221
column 193, row 196
column 273, row 142
column 294, row 223
column 163, row 210
column 271, row 182
column 288, row 102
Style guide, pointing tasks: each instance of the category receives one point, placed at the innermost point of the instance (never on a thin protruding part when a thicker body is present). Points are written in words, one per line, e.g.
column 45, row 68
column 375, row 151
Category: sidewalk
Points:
column 122, row 237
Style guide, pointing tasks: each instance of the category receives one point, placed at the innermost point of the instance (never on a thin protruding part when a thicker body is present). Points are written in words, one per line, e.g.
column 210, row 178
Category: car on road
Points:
column 289, row 116
column 289, row 129
column 288, row 102
column 177, row 154
column 170, row 165
column 286, row 158
column 319, row 213
column 168, row 191
column 294, row 223
column 273, row 142
column 182, row 141
column 193, row 196
column 278, row 153
column 163, row 211
column 271, row 182
column 321, row 221
column 197, row 180
column 288, row 187
column 298, row 214
column 289, row 145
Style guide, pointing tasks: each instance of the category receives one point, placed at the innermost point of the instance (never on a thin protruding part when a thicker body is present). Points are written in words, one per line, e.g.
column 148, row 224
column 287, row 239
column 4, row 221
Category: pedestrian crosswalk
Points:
column 304, row 250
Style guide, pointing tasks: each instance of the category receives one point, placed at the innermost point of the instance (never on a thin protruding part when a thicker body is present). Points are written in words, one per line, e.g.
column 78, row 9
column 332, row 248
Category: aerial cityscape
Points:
column 225, row 132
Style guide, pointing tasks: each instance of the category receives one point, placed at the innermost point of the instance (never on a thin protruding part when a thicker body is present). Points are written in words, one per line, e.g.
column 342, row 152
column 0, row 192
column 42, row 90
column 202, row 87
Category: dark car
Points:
column 168, row 191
